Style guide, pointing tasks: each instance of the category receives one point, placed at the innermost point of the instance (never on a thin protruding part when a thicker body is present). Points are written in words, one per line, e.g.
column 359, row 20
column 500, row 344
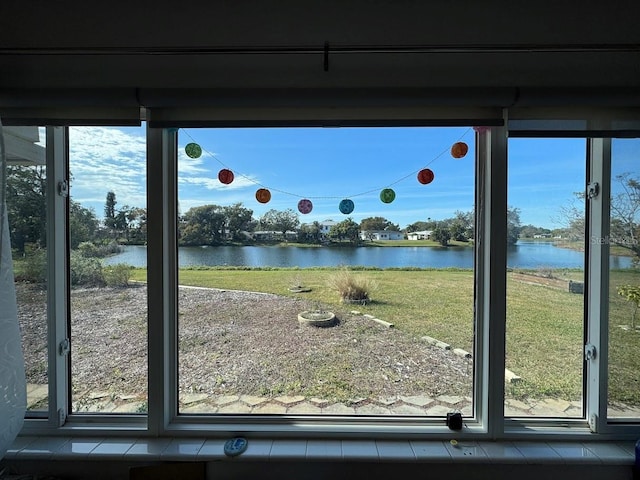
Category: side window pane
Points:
column 26, row 204
column 545, row 278
column 107, row 221
column 624, row 280
column 326, row 271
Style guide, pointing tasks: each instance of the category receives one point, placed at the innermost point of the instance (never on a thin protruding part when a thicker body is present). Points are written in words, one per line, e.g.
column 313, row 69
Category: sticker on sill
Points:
column 235, row 446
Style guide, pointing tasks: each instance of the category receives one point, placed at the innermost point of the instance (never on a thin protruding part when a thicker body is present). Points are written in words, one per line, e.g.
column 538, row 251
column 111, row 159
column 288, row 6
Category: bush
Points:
column 91, row 250
column 632, row 294
column 352, row 288
column 117, row 275
column 86, row 271
column 88, row 249
column 32, row 268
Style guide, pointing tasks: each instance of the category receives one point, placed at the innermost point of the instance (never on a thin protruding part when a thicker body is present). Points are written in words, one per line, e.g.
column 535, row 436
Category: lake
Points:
column 521, row 255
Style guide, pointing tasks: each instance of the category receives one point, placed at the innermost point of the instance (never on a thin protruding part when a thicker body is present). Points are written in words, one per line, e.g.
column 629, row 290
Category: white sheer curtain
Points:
column 13, row 390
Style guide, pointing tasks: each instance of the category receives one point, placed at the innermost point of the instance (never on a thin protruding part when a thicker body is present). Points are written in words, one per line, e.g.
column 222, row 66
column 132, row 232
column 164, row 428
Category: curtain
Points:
column 13, row 390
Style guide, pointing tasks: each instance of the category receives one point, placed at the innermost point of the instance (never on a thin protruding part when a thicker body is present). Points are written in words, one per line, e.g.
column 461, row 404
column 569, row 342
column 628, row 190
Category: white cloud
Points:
column 203, row 172
column 190, row 166
column 104, row 159
column 211, row 183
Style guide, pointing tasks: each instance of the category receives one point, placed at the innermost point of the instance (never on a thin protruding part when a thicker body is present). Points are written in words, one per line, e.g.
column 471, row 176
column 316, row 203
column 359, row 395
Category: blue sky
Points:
column 326, row 165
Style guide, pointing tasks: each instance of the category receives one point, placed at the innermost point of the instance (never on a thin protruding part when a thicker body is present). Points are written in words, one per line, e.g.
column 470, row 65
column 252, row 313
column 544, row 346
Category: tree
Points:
column 378, row 223
column 26, row 206
column 346, row 230
column 82, row 224
column 441, row 234
column 461, row 226
column 238, row 218
column 530, row 231
column 625, row 214
column 513, row 225
column 137, row 218
column 280, row 221
column 203, row 225
column 110, row 212
column 572, row 217
column 310, row 233
column 458, row 232
column 372, row 224
column 121, row 222
column 418, row 227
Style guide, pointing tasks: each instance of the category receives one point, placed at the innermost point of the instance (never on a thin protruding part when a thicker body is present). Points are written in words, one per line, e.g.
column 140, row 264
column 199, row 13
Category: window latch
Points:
column 63, row 188
column 64, row 347
column 590, row 352
column 593, row 189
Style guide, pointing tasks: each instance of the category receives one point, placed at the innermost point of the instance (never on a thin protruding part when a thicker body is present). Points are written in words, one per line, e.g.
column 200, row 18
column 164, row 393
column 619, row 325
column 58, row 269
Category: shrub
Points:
column 352, row 288
column 32, row 268
column 117, row 275
column 88, row 249
column 109, row 248
column 86, row 271
column 91, row 250
column 632, row 294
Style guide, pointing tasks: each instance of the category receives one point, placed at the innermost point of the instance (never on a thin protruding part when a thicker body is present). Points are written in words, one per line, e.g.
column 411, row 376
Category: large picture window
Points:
column 326, row 271
column 195, row 278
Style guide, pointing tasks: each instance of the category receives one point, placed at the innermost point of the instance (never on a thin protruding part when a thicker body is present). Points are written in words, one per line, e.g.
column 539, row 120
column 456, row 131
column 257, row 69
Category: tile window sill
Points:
column 201, row 449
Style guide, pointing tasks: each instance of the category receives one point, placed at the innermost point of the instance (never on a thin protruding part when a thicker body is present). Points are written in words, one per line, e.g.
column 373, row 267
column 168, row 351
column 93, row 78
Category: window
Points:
column 623, row 245
column 545, row 278
column 314, row 300
column 27, row 211
column 190, row 364
column 107, row 232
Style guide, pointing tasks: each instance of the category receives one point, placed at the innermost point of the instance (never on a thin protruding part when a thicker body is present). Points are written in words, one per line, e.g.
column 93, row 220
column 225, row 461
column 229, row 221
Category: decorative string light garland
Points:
column 387, row 195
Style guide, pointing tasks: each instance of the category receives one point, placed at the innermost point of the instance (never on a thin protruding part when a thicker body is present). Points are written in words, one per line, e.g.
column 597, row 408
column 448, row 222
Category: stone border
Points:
column 509, row 376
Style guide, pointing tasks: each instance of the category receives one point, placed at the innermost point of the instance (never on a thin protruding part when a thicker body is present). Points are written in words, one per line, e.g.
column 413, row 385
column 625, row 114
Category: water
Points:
column 522, row 255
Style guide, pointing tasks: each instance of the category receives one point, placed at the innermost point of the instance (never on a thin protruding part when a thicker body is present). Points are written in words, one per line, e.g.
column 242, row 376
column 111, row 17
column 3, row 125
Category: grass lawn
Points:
column 544, row 324
column 624, row 344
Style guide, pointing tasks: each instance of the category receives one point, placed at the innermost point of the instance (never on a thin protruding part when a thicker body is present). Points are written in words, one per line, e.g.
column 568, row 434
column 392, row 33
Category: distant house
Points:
column 326, row 226
column 422, row 235
column 381, row 235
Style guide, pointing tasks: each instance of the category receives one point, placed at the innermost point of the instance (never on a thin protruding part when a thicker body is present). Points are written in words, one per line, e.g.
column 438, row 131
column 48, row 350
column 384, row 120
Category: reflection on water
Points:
column 522, row 255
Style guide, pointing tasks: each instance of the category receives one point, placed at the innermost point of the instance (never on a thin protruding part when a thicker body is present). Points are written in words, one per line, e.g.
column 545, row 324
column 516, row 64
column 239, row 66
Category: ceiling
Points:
column 436, row 48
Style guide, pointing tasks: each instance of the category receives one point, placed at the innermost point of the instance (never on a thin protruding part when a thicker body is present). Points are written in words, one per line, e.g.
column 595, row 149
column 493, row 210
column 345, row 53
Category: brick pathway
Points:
column 418, row 405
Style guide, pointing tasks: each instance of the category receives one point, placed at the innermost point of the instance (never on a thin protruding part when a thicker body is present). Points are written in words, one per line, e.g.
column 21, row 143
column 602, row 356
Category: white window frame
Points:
column 488, row 421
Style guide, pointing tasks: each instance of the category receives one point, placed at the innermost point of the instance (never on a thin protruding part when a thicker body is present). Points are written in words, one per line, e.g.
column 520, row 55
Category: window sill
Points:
column 52, row 448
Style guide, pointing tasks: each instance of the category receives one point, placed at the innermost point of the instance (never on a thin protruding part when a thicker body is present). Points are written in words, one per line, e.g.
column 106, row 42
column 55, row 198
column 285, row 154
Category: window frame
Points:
column 488, row 421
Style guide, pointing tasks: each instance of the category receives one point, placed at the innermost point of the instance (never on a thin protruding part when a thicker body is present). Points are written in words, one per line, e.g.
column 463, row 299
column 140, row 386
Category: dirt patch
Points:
column 539, row 280
column 233, row 343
